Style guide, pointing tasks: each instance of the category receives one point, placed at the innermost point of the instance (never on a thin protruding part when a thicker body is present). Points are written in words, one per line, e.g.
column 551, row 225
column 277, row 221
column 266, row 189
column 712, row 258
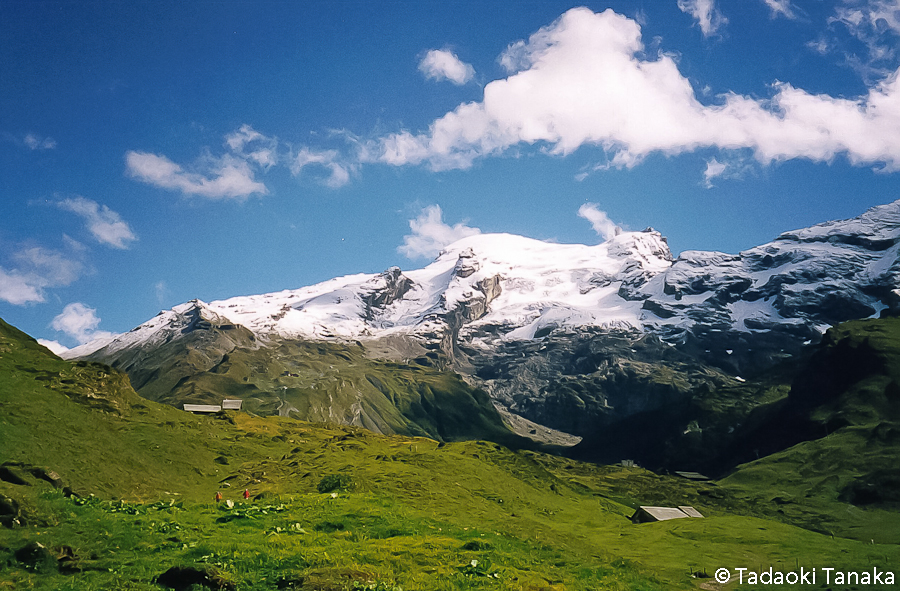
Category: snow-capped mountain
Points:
column 488, row 300
column 516, row 288
column 521, row 284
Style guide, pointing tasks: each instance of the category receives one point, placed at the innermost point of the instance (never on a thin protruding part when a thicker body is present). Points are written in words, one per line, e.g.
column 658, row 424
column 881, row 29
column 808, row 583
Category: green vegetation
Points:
column 315, row 381
column 343, row 508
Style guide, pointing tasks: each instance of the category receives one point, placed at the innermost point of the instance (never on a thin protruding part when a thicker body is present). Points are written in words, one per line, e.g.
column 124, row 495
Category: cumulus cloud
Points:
column 80, row 323
column 330, row 160
column 441, row 64
column 705, row 13
column 430, row 234
column 600, row 222
column 36, row 269
column 228, row 177
column 583, row 80
column 36, row 142
column 781, row 8
column 19, row 288
column 103, row 223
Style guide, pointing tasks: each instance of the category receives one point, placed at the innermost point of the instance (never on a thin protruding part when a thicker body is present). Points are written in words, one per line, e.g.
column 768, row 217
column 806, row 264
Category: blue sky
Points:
column 156, row 152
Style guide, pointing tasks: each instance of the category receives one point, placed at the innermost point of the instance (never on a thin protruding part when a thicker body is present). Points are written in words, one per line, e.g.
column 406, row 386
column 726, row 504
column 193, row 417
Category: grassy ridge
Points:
column 325, row 382
column 339, row 508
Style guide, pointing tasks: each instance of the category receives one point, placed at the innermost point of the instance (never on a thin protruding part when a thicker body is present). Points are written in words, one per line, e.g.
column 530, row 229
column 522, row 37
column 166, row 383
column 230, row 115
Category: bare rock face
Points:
column 572, row 336
column 388, row 287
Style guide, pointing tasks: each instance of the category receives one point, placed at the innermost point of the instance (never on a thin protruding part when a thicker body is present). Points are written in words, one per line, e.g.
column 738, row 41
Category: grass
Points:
column 328, row 382
column 343, row 508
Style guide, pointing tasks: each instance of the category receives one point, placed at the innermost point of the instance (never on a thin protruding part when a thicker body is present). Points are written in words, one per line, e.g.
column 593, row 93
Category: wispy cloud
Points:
column 227, row 177
column 583, row 80
column 233, row 175
column 430, row 234
column 162, row 292
column 705, row 13
column 79, row 322
column 442, row 64
column 251, row 144
column 781, row 8
column 331, row 160
column 104, row 224
column 35, row 270
column 714, row 169
column 730, row 167
column 600, row 222
column 875, row 24
column 35, row 142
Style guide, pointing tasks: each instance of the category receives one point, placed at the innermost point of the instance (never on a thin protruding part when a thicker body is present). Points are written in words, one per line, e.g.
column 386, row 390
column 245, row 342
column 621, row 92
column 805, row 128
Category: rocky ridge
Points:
column 574, row 336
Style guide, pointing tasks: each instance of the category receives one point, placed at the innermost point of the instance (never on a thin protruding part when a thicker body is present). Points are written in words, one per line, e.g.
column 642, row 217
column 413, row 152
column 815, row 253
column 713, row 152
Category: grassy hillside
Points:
column 834, row 442
column 325, row 382
column 337, row 508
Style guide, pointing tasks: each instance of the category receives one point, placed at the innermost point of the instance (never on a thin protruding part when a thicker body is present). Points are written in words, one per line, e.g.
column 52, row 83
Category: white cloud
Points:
column 162, row 291
column 599, row 220
column 17, row 288
column 515, row 57
column 36, row 269
column 866, row 17
column 102, row 222
column 705, row 13
column 714, row 169
column 36, row 142
column 54, row 267
column 584, row 82
column 781, row 7
column 79, row 322
column 55, row 346
column 441, row 64
column 430, row 234
column 876, row 24
column 228, row 177
column 820, row 46
column 329, row 159
column 253, row 145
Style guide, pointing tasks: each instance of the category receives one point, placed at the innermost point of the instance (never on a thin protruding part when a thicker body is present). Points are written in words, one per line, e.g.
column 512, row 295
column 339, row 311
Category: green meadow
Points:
column 102, row 489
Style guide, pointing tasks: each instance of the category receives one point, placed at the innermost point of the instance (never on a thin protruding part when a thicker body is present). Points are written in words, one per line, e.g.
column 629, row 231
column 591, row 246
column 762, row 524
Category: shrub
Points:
column 333, row 482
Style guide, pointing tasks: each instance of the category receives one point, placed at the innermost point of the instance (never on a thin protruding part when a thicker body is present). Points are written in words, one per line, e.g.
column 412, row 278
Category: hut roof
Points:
column 202, row 407
column 649, row 514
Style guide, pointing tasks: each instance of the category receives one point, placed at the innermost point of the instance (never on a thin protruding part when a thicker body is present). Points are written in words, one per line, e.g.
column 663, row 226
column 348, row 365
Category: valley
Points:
column 467, row 437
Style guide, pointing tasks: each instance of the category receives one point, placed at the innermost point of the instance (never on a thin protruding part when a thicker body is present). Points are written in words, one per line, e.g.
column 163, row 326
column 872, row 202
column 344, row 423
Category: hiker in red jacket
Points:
column 246, row 493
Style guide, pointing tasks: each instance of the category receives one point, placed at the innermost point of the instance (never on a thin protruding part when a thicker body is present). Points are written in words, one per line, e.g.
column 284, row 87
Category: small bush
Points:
column 334, row 482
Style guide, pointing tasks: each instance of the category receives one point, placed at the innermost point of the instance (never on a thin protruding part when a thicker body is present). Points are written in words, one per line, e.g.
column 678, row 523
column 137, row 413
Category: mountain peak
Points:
column 491, row 288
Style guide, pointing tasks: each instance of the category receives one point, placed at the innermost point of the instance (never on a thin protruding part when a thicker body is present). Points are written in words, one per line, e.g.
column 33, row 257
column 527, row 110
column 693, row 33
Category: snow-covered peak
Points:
column 490, row 288
column 165, row 325
column 878, row 226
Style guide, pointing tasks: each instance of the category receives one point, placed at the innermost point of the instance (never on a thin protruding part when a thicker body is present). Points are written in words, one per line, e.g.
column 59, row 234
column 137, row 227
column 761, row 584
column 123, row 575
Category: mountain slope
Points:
column 341, row 507
column 510, row 314
column 198, row 357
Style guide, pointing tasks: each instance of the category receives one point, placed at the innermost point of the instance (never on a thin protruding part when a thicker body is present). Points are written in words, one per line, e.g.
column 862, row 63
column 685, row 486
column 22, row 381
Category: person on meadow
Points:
column 218, row 496
column 246, row 493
